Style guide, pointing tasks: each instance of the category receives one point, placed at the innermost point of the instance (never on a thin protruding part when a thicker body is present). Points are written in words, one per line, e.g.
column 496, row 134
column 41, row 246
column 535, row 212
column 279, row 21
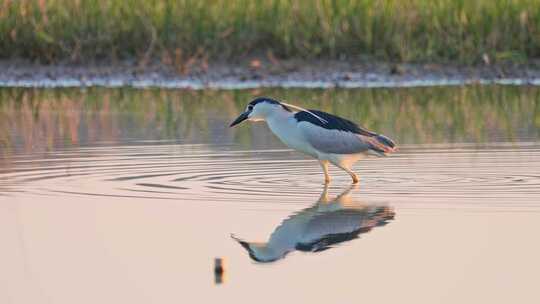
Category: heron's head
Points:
column 259, row 109
column 260, row 252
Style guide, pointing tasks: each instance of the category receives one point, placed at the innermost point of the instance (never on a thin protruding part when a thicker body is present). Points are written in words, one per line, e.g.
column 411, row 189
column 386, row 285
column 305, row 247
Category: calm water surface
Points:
column 128, row 196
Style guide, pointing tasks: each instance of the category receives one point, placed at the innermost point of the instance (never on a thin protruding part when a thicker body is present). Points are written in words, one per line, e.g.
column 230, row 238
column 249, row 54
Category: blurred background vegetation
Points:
column 41, row 120
column 176, row 31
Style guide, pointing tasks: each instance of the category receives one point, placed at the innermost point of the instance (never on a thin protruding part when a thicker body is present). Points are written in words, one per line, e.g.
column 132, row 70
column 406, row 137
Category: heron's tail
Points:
column 382, row 144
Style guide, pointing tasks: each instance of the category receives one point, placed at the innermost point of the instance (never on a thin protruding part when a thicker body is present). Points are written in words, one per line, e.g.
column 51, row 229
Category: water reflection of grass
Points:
column 179, row 32
column 45, row 119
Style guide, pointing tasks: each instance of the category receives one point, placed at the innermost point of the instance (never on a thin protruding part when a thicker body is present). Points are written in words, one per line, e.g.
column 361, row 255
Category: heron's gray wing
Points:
column 333, row 140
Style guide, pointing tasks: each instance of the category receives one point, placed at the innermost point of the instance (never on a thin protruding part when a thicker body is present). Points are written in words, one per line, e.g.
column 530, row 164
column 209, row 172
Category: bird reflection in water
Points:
column 327, row 223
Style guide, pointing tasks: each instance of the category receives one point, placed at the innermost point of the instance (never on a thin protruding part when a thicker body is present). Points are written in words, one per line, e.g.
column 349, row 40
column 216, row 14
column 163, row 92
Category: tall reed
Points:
column 172, row 30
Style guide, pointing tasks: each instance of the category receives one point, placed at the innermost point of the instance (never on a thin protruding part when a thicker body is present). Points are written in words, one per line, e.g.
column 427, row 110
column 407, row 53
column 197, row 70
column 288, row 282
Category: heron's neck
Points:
column 278, row 118
column 285, row 127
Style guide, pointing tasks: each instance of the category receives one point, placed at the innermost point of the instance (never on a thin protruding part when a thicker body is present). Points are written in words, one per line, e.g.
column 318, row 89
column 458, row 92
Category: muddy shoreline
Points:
column 259, row 73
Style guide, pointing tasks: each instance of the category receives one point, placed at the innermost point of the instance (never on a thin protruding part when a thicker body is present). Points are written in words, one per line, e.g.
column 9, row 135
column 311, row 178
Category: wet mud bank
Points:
column 259, row 73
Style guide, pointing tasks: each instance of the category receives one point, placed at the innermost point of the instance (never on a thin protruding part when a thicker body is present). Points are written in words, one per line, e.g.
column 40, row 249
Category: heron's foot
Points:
column 324, row 165
column 355, row 179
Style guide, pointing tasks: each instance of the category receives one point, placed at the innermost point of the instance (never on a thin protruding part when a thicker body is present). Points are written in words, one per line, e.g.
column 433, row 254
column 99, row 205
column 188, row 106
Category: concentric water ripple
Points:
column 502, row 176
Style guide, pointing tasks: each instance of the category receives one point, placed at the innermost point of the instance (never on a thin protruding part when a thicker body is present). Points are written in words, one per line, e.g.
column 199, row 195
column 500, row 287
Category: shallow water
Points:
column 128, row 196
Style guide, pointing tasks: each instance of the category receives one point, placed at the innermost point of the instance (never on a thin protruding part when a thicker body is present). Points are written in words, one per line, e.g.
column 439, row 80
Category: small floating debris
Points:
column 219, row 271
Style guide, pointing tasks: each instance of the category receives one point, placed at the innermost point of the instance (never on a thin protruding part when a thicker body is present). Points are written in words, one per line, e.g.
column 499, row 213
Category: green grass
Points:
column 177, row 31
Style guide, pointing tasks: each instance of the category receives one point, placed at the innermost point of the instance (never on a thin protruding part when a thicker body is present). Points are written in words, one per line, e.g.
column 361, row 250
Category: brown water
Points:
column 128, row 196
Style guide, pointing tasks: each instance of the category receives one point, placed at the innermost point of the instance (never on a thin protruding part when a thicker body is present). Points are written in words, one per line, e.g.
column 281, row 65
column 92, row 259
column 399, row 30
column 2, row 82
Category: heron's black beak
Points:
column 240, row 118
column 242, row 243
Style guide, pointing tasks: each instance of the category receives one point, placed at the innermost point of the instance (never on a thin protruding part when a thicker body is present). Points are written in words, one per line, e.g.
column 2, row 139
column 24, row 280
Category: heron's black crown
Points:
column 268, row 100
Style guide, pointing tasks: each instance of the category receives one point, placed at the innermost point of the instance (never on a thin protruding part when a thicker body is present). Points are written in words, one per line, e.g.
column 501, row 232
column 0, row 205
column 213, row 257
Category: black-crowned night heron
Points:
column 325, row 224
column 326, row 137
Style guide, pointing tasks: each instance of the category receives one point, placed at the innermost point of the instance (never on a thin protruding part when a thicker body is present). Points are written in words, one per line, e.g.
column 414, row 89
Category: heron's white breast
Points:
column 285, row 128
